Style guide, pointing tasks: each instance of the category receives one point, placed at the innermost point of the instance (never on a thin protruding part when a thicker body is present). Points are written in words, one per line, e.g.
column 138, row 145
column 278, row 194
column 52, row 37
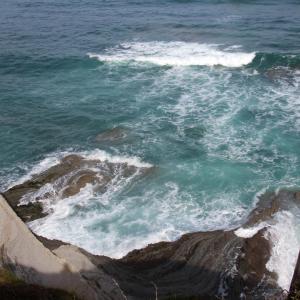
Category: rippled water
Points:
column 207, row 92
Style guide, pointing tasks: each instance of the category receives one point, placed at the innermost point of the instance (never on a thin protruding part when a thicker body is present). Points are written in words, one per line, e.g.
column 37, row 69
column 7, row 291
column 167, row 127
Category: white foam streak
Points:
column 249, row 232
column 41, row 166
column 176, row 54
column 96, row 154
column 284, row 236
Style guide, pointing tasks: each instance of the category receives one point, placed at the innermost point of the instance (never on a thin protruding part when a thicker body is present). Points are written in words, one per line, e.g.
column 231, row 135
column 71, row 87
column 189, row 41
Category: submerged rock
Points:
column 280, row 74
column 112, row 135
column 66, row 179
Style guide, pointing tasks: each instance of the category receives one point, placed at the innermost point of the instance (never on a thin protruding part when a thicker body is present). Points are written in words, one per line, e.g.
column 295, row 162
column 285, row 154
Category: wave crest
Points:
column 175, row 54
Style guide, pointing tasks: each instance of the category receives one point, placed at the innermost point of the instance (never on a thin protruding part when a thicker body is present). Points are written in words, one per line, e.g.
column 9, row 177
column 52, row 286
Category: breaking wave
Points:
column 176, row 54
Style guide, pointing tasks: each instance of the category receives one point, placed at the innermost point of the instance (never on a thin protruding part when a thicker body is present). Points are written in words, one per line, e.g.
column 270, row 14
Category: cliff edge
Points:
column 66, row 268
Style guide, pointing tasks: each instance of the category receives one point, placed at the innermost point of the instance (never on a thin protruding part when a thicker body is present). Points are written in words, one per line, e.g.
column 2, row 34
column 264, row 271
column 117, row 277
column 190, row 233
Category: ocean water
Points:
column 208, row 92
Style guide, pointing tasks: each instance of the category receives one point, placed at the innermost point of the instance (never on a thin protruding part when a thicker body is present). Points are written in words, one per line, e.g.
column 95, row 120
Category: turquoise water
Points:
column 210, row 99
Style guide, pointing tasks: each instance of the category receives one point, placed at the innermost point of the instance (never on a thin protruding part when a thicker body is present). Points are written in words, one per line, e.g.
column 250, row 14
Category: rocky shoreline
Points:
column 66, row 178
column 217, row 264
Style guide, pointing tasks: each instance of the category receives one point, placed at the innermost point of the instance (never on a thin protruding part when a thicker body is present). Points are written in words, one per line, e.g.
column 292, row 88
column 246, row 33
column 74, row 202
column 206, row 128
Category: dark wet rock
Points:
column 251, row 267
column 270, row 203
column 63, row 180
column 294, row 292
column 30, row 211
column 112, row 135
column 185, row 268
column 72, row 160
column 201, row 264
column 78, row 181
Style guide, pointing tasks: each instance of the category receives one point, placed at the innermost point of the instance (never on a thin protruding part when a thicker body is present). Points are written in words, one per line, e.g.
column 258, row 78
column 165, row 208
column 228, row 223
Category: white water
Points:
column 104, row 224
column 96, row 154
column 104, row 156
column 176, row 54
column 283, row 234
column 249, row 232
column 164, row 213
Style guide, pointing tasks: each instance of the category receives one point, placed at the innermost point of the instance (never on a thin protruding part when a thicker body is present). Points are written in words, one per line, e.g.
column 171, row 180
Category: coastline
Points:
column 205, row 265
column 150, row 150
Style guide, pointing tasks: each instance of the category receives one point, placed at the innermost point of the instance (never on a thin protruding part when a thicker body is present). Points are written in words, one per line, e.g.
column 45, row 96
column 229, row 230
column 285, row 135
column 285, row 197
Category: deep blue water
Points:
column 208, row 92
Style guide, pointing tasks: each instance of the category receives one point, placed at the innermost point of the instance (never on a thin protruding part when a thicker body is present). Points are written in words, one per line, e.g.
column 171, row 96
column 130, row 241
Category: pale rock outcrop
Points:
column 66, row 268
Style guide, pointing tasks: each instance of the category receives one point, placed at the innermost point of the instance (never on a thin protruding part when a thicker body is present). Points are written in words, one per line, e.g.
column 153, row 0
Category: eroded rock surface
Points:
column 66, row 179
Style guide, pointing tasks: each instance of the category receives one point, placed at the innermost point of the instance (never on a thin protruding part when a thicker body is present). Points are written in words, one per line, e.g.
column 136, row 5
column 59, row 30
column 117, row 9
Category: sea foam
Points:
column 283, row 233
column 96, row 154
column 284, row 236
column 175, row 54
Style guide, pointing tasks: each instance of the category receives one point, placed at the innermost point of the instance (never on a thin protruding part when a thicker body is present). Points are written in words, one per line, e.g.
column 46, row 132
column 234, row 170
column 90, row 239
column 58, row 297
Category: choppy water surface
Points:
column 206, row 91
